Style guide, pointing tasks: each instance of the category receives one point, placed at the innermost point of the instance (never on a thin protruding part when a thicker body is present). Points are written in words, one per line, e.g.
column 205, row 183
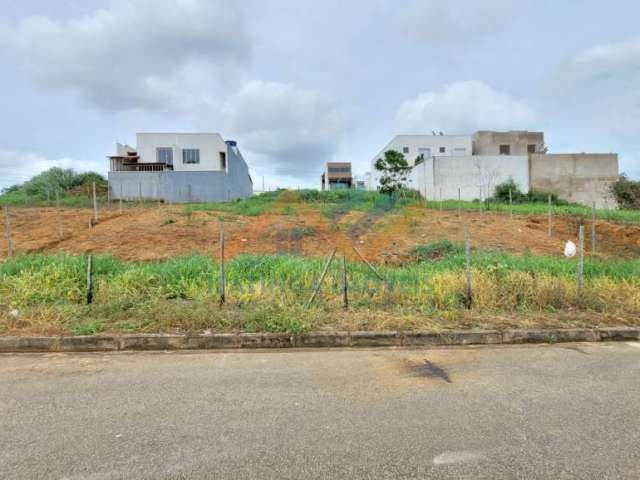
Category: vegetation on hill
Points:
column 66, row 183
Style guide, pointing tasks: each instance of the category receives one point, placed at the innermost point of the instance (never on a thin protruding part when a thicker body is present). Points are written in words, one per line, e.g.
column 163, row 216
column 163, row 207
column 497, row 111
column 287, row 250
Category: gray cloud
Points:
column 456, row 21
column 142, row 54
column 463, row 107
column 293, row 130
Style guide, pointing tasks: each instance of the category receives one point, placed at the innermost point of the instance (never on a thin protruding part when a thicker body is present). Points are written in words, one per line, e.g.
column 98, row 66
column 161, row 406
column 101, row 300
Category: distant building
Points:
column 515, row 142
column 470, row 166
column 337, row 175
column 179, row 167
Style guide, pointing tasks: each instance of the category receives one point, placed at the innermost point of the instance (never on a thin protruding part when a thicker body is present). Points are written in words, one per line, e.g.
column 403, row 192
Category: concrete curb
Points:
column 104, row 343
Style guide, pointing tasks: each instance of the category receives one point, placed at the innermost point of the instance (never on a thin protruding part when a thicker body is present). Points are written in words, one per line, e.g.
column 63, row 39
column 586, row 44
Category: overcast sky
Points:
column 301, row 82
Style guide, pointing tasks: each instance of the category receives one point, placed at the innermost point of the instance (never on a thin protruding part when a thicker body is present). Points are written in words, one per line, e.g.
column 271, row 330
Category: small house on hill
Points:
column 179, row 167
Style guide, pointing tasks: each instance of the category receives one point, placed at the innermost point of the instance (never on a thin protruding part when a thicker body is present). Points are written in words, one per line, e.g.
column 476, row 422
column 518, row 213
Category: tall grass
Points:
column 269, row 292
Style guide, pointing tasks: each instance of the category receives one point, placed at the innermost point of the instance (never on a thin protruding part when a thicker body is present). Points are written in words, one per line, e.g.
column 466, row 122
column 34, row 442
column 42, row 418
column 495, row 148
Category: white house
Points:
column 180, row 167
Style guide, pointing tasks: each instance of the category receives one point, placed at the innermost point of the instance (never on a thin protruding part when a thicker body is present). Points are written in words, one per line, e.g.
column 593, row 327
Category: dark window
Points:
column 405, row 149
column 505, row 149
column 190, row 155
column 223, row 161
column 339, row 169
column 442, row 149
column 531, row 148
column 165, row 155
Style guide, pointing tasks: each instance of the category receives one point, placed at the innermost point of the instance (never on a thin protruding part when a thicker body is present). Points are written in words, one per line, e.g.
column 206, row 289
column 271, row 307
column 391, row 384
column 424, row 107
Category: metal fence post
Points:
column 593, row 228
column 580, row 272
column 222, row 278
column 549, row 213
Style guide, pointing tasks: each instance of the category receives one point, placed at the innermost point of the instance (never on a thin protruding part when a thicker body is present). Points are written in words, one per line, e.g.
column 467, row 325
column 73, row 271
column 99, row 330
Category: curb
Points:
column 332, row 339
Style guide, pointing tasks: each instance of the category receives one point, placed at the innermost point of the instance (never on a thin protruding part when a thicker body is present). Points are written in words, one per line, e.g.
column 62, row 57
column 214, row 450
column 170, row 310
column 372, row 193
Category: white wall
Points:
column 415, row 143
column 475, row 176
column 209, row 144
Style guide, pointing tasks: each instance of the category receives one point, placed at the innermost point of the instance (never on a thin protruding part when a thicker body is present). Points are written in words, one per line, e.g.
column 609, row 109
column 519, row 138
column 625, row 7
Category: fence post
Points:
column 89, row 279
column 7, row 231
column 593, row 228
column 59, row 214
column 324, row 273
column 140, row 193
column 375, row 272
column 459, row 204
column 222, row 285
column 95, row 204
column 510, row 204
column 467, row 253
column 549, row 213
column 580, row 272
column 481, row 203
column 440, row 198
column 345, row 284
column 120, row 200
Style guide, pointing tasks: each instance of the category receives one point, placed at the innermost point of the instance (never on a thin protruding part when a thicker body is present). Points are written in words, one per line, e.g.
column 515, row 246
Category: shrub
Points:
column 626, row 192
column 501, row 194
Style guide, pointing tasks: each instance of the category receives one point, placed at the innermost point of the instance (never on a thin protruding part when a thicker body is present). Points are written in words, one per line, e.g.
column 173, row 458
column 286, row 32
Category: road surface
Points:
column 548, row 412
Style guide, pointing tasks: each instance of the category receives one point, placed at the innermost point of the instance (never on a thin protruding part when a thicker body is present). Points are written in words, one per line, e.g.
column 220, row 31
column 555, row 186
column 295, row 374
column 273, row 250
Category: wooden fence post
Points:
column 593, row 228
column 467, row 252
column 7, row 231
column 222, row 279
column 59, row 214
column 510, row 204
column 345, row 284
column 580, row 272
column 549, row 213
column 324, row 273
column 89, row 279
column 375, row 272
column 95, row 204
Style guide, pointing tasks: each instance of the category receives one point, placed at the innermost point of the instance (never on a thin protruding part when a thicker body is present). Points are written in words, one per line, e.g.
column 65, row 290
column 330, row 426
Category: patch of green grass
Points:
column 252, row 206
column 617, row 215
column 88, row 327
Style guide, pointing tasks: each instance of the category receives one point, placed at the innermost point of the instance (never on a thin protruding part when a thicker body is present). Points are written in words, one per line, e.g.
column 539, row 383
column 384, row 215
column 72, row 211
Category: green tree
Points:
column 395, row 171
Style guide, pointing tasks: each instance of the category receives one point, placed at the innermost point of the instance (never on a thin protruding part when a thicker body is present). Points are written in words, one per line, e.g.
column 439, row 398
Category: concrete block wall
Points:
column 579, row 177
column 475, row 175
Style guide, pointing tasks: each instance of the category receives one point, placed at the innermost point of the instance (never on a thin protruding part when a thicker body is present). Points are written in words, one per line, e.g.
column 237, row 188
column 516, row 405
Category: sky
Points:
column 300, row 82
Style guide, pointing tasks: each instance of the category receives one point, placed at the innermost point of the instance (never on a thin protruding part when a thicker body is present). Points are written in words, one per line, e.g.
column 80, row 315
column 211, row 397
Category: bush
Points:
column 626, row 192
column 501, row 194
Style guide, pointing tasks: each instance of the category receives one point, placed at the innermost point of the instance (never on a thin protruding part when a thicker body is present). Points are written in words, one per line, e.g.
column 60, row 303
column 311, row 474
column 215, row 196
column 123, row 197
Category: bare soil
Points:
column 167, row 231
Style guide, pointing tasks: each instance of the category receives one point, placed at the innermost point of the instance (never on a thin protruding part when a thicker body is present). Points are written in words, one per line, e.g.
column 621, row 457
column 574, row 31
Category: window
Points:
column 443, row 149
column 190, row 155
column 531, row 148
column 405, row 149
column 164, row 155
column 425, row 152
column 223, row 161
column 339, row 169
column 505, row 149
column 459, row 152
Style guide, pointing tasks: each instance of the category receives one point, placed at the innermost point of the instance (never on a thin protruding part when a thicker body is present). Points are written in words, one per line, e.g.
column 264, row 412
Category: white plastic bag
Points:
column 570, row 249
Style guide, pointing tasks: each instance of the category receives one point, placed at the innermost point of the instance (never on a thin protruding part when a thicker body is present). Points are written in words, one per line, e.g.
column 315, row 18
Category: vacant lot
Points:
column 285, row 223
column 157, row 268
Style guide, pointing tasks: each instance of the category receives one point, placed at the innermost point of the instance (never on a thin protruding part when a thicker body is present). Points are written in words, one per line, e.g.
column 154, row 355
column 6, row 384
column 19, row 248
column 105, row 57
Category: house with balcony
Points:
column 180, row 168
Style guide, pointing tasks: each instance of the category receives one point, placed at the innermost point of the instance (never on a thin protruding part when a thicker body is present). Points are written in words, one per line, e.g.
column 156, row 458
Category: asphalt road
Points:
column 548, row 412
